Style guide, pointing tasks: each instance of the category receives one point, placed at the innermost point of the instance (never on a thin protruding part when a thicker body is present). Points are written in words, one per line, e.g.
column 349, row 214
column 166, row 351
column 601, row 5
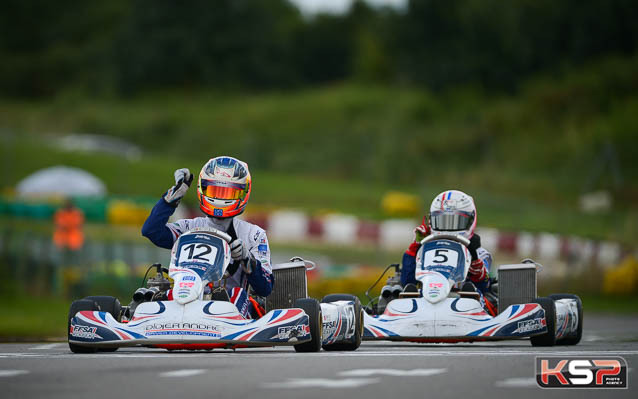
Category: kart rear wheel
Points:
column 574, row 338
column 549, row 338
column 78, row 306
column 355, row 341
column 313, row 310
column 111, row 305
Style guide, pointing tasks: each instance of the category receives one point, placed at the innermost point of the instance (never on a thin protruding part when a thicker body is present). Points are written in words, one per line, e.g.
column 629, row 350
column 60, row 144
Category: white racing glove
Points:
column 183, row 180
column 240, row 254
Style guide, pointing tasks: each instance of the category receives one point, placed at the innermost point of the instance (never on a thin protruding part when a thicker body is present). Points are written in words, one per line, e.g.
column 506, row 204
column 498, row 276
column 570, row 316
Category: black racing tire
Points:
column 576, row 337
column 313, row 309
column 355, row 341
column 111, row 305
column 108, row 304
column 78, row 306
column 548, row 338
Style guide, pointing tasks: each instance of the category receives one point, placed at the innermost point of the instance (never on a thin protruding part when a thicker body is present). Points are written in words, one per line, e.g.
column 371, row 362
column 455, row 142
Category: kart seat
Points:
column 220, row 295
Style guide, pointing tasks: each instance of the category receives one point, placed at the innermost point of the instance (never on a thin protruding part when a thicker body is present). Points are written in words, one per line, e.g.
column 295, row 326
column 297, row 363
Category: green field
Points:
column 526, row 158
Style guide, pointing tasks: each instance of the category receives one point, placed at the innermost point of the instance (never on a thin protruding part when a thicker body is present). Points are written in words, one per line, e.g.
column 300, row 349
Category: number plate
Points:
column 441, row 257
column 198, row 252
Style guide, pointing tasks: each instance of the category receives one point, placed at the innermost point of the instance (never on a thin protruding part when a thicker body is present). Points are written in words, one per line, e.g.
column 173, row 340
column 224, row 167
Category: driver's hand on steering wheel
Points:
column 240, row 254
column 475, row 243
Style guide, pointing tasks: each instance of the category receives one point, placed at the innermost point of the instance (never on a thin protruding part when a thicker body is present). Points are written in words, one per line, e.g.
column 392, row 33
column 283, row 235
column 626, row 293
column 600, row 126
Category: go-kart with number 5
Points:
column 439, row 309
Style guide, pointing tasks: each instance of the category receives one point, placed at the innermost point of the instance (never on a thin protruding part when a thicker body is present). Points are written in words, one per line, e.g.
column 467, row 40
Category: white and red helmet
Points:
column 453, row 212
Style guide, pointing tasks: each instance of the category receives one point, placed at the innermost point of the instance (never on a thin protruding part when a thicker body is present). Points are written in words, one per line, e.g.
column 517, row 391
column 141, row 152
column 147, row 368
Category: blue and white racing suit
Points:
column 163, row 234
column 409, row 267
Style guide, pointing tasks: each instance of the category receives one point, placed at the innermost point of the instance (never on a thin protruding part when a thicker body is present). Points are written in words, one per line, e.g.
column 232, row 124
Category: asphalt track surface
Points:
column 377, row 370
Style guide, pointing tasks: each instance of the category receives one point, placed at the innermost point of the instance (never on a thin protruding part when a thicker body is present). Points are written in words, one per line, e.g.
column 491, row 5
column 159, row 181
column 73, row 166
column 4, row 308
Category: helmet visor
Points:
column 451, row 221
column 223, row 190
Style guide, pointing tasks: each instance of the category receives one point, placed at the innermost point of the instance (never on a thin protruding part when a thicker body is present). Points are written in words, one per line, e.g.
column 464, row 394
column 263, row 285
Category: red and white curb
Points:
column 396, row 234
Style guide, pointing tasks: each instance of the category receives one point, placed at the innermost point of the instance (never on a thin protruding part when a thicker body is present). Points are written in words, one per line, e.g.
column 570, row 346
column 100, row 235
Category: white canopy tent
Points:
column 60, row 181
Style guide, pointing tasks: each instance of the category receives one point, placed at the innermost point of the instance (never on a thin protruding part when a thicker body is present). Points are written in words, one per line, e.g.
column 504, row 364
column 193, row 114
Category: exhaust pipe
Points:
column 150, row 293
column 139, row 295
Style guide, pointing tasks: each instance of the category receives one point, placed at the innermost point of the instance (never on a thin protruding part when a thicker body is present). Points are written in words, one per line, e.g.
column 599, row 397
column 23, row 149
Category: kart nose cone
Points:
column 187, row 287
column 435, row 288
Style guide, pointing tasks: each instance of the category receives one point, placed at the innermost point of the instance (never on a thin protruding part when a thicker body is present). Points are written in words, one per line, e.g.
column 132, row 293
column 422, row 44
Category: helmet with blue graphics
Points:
column 223, row 187
column 453, row 212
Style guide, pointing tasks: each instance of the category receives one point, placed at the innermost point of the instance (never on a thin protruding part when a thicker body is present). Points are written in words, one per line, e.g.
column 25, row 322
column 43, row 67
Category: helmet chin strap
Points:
column 220, row 223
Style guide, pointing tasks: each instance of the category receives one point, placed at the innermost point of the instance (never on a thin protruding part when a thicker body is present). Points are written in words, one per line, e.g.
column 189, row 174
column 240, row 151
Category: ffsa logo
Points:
column 581, row 372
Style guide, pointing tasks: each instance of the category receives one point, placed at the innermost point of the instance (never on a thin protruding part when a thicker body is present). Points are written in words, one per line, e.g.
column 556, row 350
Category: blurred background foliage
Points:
column 514, row 97
column 130, row 46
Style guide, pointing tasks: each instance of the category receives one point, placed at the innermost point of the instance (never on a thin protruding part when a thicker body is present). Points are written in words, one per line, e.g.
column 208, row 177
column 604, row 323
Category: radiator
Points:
column 290, row 284
column 516, row 284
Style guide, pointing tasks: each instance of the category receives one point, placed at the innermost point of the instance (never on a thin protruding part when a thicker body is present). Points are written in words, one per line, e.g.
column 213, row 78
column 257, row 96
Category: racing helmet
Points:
column 453, row 212
column 223, row 187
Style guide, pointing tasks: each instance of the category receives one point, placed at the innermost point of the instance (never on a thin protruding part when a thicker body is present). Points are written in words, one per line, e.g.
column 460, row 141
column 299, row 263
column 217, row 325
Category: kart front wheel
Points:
column 355, row 340
column 108, row 304
column 548, row 338
column 111, row 305
column 78, row 306
column 574, row 338
column 313, row 310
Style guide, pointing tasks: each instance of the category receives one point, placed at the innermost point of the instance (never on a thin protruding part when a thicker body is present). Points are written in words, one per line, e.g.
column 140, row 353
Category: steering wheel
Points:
column 451, row 237
column 217, row 233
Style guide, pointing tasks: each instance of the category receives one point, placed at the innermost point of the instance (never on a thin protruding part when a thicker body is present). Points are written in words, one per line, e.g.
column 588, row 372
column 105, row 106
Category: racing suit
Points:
column 479, row 273
column 163, row 234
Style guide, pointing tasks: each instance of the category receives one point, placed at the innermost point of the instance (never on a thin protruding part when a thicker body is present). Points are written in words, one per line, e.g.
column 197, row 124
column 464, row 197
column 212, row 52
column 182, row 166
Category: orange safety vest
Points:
column 68, row 228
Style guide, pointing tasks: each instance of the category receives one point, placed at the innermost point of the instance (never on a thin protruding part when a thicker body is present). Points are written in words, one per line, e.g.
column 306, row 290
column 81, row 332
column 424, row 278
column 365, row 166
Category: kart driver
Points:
column 454, row 212
column 223, row 189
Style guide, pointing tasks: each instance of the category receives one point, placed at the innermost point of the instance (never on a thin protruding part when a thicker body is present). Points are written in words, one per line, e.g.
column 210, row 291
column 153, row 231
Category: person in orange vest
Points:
column 68, row 227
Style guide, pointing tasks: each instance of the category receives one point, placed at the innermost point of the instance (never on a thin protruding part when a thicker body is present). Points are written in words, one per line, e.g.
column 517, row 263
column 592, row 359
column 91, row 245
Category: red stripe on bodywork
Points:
column 248, row 336
column 289, row 315
column 375, row 332
column 490, row 332
column 89, row 315
column 121, row 334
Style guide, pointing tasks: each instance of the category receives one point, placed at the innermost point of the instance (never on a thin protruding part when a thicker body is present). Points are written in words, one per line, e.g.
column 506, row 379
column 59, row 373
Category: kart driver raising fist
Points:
column 453, row 212
column 223, row 189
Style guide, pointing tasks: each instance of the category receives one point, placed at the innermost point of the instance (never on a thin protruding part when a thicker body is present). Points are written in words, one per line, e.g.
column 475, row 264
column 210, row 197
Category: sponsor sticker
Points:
column 530, row 325
column 193, row 329
column 293, row 331
column 581, row 372
column 86, row 332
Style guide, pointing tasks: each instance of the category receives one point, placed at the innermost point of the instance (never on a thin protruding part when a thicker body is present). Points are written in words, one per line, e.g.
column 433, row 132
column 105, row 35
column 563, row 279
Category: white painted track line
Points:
column 321, row 383
column 46, row 346
column 182, row 373
column 12, row 373
column 525, row 382
column 391, row 372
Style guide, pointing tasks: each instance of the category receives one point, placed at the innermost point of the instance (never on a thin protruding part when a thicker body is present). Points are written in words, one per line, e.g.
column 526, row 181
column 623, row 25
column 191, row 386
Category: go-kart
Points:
column 200, row 315
column 438, row 310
